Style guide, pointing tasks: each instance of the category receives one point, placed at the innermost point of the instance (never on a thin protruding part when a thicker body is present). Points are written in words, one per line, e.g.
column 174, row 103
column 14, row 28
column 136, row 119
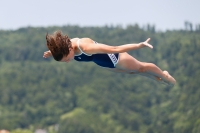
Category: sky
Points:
column 164, row 14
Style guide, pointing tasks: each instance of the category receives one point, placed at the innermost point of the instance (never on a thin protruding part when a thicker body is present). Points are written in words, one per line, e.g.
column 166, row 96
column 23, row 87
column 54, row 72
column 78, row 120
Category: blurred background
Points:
column 40, row 95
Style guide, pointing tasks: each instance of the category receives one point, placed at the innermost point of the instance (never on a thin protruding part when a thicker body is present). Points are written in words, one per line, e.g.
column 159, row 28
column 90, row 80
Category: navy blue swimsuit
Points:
column 103, row 60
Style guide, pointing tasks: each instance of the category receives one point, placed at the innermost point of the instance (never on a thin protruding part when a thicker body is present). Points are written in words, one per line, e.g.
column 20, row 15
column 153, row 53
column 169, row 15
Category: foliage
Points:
column 84, row 98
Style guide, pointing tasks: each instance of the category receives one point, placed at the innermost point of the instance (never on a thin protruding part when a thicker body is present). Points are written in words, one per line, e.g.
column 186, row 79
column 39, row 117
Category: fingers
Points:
column 148, row 40
column 46, row 54
column 150, row 46
column 147, row 43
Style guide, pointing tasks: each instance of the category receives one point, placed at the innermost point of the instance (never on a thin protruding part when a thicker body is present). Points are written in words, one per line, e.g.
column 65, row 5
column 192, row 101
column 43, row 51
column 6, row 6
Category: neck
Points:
column 75, row 45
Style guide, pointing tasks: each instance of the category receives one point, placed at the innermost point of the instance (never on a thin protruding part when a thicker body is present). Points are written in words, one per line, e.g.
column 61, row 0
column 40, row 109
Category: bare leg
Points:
column 117, row 70
column 129, row 63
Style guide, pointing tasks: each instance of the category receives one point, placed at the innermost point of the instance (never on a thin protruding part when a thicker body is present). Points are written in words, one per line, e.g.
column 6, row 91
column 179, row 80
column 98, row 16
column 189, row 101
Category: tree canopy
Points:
column 38, row 93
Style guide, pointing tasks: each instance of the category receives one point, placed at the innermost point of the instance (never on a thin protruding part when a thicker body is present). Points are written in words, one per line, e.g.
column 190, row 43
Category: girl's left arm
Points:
column 102, row 48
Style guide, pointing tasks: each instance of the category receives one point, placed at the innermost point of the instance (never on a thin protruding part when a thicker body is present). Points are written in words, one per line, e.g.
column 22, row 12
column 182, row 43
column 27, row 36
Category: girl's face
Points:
column 69, row 57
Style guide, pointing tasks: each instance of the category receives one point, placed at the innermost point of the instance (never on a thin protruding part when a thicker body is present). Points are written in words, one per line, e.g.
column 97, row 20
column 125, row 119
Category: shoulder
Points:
column 82, row 40
column 86, row 40
column 85, row 43
column 74, row 39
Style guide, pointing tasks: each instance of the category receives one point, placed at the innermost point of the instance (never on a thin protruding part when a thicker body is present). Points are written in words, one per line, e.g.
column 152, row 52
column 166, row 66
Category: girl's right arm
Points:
column 47, row 54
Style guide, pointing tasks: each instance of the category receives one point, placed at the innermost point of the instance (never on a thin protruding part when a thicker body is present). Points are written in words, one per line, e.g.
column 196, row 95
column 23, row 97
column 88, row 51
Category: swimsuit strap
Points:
column 78, row 42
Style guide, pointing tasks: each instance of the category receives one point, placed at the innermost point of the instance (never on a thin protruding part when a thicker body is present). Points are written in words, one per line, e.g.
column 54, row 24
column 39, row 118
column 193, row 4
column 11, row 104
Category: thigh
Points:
column 117, row 70
column 128, row 62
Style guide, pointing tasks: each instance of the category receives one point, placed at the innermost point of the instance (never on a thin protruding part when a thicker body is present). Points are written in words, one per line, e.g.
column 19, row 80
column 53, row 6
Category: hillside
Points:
column 38, row 93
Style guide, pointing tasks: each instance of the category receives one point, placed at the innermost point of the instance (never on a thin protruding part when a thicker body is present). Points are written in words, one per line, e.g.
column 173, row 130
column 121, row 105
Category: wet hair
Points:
column 58, row 44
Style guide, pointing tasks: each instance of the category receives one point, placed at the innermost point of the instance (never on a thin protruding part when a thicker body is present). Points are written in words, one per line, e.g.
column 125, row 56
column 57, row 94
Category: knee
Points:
column 145, row 67
column 142, row 69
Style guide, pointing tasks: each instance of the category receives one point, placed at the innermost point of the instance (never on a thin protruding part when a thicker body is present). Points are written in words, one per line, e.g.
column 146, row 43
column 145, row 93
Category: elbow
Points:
column 116, row 49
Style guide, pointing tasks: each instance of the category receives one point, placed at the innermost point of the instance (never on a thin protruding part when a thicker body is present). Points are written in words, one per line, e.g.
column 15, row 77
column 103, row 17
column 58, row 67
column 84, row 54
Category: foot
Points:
column 158, row 78
column 169, row 78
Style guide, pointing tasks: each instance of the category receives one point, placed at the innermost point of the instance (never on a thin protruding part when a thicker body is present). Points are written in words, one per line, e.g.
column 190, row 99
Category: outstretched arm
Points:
column 102, row 48
column 47, row 54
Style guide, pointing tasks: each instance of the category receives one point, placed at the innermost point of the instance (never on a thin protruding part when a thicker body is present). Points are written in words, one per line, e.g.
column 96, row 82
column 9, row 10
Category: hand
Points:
column 47, row 54
column 146, row 43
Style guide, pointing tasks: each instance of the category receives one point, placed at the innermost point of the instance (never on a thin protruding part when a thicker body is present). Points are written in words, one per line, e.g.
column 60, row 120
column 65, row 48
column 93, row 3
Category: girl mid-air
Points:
column 114, row 58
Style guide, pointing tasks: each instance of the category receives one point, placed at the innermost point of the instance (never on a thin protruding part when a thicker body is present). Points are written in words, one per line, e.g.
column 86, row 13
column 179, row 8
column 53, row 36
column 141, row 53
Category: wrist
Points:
column 49, row 52
column 140, row 45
